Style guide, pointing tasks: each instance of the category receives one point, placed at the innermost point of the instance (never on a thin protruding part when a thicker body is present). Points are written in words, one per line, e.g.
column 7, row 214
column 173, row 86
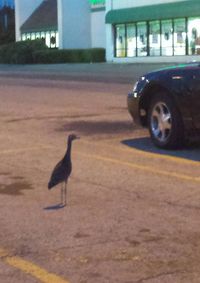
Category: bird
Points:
column 62, row 170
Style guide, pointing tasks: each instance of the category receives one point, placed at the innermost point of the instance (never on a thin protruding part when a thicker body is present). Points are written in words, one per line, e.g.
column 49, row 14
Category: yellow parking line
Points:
column 24, row 149
column 30, row 268
column 177, row 159
column 131, row 150
column 130, row 164
column 3, row 253
column 144, row 168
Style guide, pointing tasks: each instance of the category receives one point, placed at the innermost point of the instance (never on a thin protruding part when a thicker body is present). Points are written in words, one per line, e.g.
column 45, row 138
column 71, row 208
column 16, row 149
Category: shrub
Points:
column 20, row 52
column 50, row 56
column 35, row 51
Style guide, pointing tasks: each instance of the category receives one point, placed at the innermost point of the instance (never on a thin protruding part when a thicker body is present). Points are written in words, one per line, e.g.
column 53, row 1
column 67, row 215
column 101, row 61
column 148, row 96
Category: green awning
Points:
column 187, row 8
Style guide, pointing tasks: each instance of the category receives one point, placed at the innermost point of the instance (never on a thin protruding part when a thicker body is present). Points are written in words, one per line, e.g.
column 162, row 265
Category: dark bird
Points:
column 62, row 170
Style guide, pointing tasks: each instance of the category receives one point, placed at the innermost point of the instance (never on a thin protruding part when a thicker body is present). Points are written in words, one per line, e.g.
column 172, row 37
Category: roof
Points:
column 43, row 18
column 154, row 12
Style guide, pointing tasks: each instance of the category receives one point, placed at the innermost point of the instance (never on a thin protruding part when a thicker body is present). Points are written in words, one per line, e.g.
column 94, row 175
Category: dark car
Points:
column 167, row 101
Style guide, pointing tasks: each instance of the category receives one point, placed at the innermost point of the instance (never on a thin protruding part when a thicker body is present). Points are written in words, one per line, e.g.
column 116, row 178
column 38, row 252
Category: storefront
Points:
column 50, row 37
column 62, row 24
column 42, row 24
column 160, row 30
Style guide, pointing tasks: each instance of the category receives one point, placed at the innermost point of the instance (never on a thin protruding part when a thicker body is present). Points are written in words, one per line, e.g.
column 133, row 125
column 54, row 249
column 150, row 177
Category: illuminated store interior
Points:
column 170, row 37
column 50, row 37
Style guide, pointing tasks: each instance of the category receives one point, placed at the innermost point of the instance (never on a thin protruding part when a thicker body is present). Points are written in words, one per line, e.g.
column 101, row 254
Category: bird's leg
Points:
column 61, row 194
column 65, row 193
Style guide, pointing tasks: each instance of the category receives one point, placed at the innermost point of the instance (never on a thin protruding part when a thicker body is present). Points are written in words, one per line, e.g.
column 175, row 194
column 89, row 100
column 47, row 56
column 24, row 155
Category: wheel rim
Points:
column 161, row 122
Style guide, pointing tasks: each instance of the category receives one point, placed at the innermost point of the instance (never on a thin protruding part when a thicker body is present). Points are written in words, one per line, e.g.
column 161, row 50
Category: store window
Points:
column 28, row 36
column 131, row 40
column 38, row 35
column 42, row 36
column 24, row 36
column 57, row 40
column 142, row 39
column 194, row 35
column 154, row 38
column 49, row 37
column 180, row 37
column 53, row 40
column 166, row 38
column 120, row 41
column 170, row 37
column 32, row 36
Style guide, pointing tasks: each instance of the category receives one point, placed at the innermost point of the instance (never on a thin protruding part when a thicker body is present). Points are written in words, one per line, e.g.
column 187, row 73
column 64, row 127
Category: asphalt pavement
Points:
column 133, row 211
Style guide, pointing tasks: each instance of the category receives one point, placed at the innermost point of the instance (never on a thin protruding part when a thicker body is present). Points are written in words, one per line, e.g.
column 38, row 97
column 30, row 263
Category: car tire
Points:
column 165, row 122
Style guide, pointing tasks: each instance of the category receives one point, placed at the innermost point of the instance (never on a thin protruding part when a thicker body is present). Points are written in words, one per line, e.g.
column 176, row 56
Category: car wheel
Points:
column 165, row 122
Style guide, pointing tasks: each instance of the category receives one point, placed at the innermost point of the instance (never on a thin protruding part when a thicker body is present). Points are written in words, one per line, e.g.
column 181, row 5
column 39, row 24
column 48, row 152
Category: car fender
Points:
column 177, row 89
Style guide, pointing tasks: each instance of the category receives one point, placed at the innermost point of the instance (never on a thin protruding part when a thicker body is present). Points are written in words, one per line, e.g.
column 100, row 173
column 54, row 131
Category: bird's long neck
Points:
column 68, row 152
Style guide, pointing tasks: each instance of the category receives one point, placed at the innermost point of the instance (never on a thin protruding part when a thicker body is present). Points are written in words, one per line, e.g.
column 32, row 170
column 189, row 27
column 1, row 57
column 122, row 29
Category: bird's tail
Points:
column 50, row 185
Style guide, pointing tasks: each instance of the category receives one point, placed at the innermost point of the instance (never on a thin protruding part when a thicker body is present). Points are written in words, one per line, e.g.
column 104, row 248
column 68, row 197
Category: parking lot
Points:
column 133, row 211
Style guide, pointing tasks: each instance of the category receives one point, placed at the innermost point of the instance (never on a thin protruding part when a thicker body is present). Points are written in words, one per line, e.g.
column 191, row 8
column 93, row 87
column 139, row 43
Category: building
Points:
column 62, row 23
column 150, row 31
column 7, row 3
column 6, row 19
column 6, row 15
column 42, row 23
column 7, row 22
column 130, row 30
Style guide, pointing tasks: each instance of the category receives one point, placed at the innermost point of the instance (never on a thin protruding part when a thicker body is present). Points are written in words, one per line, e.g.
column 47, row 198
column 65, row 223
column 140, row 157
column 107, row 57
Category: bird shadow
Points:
column 55, row 207
column 190, row 151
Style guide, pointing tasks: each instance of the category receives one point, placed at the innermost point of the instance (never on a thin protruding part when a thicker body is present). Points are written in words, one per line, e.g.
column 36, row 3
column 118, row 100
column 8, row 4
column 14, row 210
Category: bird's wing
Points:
column 57, row 175
column 57, row 167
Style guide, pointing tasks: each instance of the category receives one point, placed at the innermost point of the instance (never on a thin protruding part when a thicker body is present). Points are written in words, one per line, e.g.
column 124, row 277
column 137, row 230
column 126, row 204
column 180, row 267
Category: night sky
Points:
column 6, row 3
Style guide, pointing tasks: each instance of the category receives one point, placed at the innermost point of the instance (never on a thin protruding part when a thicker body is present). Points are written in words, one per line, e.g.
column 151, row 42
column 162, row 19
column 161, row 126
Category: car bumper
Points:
column 133, row 107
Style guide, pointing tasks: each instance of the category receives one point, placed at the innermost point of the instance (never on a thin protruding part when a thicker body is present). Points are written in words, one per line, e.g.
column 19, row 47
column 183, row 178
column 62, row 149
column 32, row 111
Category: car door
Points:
column 195, row 96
